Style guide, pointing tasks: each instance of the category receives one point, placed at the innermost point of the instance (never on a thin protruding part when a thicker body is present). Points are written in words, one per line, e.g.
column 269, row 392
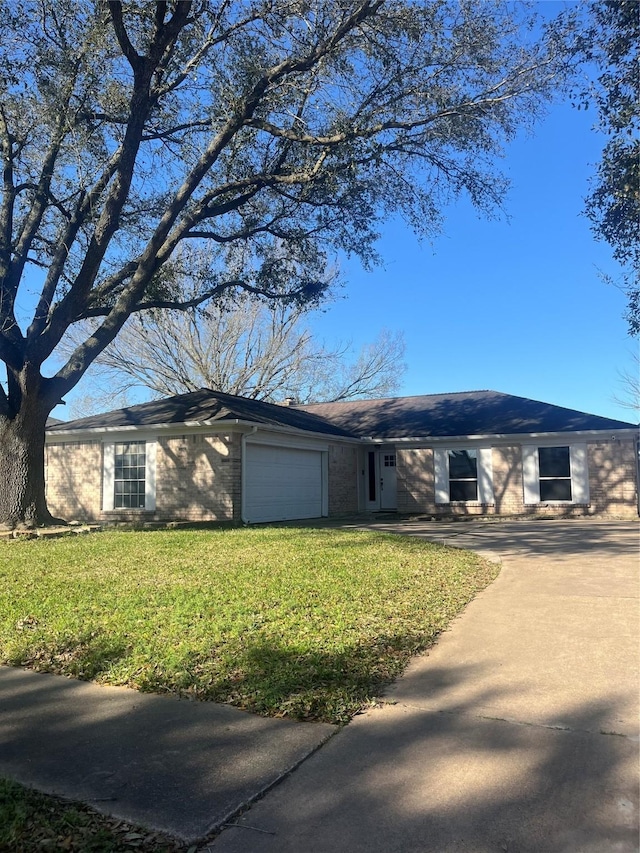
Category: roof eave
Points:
column 182, row 426
column 297, row 431
column 613, row 432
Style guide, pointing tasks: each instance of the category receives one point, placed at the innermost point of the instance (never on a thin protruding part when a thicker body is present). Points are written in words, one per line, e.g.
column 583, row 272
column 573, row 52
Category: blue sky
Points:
column 515, row 305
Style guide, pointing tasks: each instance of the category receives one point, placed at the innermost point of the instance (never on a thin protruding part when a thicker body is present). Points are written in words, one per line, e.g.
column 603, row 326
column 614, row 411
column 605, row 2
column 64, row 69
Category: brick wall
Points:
column 73, row 472
column 612, row 477
column 508, row 487
column 416, row 485
column 197, row 479
column 343, row 479
column 612, row 484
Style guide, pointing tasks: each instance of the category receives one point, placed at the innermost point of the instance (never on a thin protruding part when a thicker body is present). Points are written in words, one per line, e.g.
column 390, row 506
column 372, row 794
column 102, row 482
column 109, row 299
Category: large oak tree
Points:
column 279, row 132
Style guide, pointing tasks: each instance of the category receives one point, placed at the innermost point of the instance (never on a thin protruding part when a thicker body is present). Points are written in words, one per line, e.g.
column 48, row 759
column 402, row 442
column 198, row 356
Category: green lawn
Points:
column 295, row 622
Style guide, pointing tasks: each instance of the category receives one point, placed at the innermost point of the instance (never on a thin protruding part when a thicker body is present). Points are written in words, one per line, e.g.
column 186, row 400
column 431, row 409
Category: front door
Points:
column 381, row 491
column 388, row 489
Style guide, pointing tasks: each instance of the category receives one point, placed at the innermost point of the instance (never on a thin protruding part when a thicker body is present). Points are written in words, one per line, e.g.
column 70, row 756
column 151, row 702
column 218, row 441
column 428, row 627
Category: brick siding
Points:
column 416, row 481
column 73, row 473
column 197, row 479
column 343, row 479
column 612, row 477
column 612, row 484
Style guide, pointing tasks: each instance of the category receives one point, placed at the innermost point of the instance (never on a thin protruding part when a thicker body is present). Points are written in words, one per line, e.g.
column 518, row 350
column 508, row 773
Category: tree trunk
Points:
column 22, row 474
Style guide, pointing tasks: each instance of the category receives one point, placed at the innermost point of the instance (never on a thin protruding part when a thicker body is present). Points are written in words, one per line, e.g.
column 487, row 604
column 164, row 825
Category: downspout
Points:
column 243, row 473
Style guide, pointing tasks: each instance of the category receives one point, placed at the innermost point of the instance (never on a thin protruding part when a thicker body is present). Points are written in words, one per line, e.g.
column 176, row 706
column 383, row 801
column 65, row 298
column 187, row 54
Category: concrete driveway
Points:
column 517, row 732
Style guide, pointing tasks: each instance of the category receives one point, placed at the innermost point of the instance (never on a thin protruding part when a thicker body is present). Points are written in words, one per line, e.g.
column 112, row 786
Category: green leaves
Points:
column 608, row 44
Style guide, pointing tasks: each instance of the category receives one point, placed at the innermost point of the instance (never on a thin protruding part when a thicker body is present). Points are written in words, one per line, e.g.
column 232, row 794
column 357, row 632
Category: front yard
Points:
column 295, row 622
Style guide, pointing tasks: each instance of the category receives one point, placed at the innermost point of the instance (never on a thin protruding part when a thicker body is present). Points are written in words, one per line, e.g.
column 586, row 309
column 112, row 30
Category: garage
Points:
column 283, row 483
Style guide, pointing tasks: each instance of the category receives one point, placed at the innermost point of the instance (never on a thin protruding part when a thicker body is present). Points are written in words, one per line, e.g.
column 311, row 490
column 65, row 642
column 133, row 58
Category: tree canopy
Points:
column 280, row 133
column 610, row 42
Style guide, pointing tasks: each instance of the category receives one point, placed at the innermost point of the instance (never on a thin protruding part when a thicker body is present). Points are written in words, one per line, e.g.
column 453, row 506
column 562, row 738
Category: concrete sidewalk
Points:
column 518, row 732
column 174, row 765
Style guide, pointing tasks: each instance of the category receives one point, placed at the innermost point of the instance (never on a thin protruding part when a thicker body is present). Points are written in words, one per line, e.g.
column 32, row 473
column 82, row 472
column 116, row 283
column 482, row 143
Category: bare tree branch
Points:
column 629, row 395
column 248, row 348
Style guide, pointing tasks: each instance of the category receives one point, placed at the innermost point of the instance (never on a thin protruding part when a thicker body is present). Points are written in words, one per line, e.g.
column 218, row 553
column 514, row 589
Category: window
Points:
column 555, row 473
column 463, row 475
column 372, row 475
column 389, row 460
column 129, row 475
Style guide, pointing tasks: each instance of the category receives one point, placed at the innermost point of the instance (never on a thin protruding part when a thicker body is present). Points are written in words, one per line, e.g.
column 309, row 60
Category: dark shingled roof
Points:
column 467, row 413
column 205, row 405
column 430, row 415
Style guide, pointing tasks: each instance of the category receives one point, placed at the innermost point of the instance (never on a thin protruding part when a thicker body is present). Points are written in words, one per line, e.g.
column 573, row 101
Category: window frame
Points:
column 547, row 479
column 484, row 479
column 472, row 453
column 129, row 492
column 109, row 478
column 578, row 469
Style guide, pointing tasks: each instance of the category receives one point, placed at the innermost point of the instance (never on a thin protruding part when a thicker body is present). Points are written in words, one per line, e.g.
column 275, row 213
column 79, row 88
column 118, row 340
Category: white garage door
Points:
column 282, row 483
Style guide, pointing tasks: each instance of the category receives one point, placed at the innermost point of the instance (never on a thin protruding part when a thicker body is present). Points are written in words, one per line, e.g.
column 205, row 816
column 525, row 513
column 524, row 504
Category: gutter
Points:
column 52, row 435
column 190, row 426
column 517, row 437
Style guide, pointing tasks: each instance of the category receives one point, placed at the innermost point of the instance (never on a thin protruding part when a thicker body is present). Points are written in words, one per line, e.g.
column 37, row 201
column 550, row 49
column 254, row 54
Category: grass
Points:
column 31, row 822
column 291, row 622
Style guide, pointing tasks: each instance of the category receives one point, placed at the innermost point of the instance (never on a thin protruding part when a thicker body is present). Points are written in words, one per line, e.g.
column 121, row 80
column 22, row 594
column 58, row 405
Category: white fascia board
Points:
column 151, row 430
column 96, row 433
column 518, row 438
column 279, row 439
column 127, row 433
column 384, row 444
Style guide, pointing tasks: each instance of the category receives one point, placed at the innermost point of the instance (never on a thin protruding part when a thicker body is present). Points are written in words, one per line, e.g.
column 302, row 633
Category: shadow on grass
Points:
column 87, row 656
column 302, row 684
column 260, row 675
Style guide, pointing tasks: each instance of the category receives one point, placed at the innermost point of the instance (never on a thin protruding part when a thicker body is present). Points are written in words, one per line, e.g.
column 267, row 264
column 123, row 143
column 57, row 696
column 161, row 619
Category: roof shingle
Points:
column 204, row 405
column 426, row 416
column 463, row 414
